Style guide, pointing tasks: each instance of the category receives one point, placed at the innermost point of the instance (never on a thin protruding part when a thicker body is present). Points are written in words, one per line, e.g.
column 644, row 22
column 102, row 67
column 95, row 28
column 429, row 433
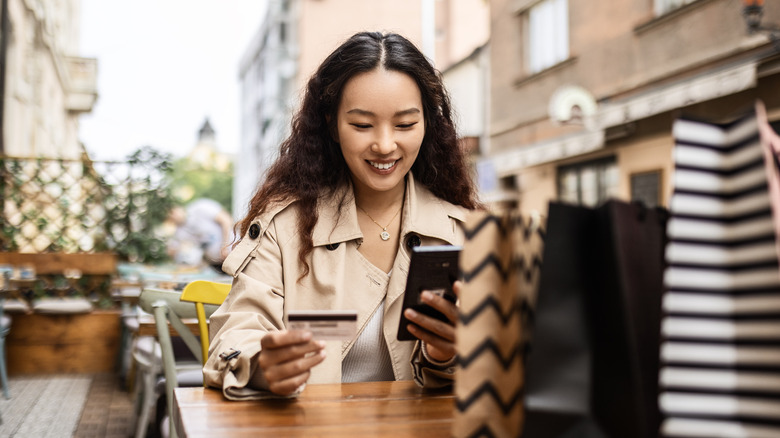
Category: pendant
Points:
column 384, row 235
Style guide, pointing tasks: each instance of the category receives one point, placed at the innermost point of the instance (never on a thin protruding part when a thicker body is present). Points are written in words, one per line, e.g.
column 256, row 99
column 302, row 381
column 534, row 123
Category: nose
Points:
column 384, row 143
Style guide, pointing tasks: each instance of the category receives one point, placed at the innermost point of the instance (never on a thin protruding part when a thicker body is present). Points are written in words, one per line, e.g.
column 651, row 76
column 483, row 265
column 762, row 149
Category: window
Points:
column 664, row 6
column 646, row 188
column 548, row 34
column 588, row 183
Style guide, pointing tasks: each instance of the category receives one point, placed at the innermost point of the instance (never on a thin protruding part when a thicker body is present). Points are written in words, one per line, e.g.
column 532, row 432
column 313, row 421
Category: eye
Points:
column 361, row 125
column 406, row 125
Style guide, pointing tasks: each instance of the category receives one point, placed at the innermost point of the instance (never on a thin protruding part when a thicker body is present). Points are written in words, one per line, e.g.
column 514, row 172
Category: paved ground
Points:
column 108, row 411
column 47, row 406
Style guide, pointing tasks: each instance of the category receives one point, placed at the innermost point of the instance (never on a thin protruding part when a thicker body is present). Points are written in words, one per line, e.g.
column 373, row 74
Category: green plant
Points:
column 135, row 214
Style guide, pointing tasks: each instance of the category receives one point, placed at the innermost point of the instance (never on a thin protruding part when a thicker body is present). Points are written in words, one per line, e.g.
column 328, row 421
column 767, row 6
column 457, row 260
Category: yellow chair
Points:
column 203, row 292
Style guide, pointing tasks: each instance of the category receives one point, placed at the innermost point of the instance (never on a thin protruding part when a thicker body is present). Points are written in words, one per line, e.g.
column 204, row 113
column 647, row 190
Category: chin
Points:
column 385, row 186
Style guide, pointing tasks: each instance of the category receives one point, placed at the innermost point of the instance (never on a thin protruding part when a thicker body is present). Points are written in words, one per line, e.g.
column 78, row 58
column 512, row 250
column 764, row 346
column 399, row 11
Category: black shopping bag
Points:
column 592, row 366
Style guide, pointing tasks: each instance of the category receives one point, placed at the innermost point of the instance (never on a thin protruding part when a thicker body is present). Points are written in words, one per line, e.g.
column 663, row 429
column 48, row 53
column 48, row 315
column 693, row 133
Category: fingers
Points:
column 284, row 337
column 285, row 378
column 287, row 357
column 441, row 304
column 456, row 287
column 287, row 387
column 438, row 348
column 439, row 336
column 270, row 357
column 429, row 325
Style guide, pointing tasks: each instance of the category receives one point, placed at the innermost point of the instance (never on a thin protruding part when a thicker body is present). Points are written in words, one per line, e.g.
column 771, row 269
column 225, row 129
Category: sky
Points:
column 164, row 66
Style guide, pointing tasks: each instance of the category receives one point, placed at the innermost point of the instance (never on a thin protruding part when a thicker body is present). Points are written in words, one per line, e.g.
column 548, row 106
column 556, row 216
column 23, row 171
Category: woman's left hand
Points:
column 438, row 336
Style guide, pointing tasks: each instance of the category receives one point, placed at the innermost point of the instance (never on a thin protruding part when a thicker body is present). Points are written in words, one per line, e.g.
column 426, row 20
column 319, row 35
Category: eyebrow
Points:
column 399, row 113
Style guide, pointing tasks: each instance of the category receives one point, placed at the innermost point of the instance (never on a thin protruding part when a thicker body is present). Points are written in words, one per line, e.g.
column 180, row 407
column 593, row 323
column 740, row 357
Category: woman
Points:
column 371, row 169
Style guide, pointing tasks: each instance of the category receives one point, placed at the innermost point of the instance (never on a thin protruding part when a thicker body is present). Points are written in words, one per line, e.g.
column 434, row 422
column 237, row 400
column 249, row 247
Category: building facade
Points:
column 46, row 84
column 295, row 37
column 584, row 94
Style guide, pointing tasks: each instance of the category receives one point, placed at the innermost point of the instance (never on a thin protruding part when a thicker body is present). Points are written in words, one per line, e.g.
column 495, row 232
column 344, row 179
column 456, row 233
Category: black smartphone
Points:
column 432, row 268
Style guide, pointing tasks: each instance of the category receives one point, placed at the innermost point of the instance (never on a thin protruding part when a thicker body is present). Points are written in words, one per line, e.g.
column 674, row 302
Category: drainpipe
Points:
column 428, row 14
column 5, row 31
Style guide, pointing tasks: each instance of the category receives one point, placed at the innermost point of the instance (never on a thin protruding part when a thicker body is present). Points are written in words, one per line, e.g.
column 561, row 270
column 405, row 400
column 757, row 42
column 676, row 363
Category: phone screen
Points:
column 432, row 268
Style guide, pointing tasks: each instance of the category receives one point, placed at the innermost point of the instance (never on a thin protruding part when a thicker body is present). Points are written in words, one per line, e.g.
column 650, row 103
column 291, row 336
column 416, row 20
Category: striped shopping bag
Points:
column 720, row 351
column 499, row 265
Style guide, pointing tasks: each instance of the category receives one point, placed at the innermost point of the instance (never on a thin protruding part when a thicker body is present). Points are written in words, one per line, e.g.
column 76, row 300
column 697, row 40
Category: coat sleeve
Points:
column 429, row 373
column 254, row 306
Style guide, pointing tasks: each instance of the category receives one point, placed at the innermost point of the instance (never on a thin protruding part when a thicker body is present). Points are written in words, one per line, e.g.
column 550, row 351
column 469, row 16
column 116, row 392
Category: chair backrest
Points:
column 166, row 306
column 204, row 293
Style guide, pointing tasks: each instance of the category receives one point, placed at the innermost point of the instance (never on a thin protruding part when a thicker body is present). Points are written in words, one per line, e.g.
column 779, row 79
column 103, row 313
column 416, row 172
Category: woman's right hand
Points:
column 287, row 357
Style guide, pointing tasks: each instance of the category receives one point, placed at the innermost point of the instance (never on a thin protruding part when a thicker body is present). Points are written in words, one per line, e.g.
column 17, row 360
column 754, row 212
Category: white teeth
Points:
column 382, row 166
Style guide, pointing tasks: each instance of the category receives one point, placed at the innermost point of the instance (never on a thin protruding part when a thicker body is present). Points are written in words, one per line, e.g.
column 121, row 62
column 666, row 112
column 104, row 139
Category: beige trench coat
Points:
column 266, row 269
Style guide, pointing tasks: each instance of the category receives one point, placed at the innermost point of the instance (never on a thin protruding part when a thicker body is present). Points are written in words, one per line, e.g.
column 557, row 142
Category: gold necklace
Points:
column 384, row 234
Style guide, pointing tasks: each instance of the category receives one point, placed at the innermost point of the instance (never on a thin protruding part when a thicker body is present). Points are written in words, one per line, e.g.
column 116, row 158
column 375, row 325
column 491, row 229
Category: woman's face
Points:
column 380, row 128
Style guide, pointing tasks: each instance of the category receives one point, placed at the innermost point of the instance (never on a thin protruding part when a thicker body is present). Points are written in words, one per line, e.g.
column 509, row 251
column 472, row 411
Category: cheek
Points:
column 350, row 152
column 414, row 144
column 350, row 145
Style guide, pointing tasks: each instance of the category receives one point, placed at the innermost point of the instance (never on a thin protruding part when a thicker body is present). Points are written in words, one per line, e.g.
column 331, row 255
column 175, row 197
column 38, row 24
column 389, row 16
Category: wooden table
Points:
column 397, row 409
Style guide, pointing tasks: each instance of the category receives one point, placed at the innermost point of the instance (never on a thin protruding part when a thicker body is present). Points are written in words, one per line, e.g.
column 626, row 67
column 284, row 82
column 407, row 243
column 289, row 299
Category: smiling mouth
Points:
column 382, row 166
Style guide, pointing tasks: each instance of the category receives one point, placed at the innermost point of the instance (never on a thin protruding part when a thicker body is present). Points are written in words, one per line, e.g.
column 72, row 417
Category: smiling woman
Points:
column 371, row 169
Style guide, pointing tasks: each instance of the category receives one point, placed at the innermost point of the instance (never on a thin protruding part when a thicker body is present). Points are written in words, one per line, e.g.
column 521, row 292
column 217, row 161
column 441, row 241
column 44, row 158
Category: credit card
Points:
column 325, row 325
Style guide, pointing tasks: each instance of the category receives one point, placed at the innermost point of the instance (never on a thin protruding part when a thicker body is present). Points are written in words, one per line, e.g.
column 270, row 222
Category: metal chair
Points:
column 5, row 328
column 147, row 363
column 169, row 312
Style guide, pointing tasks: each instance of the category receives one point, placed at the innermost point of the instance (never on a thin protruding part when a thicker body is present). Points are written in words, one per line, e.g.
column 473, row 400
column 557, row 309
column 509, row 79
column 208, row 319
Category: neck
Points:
column 379, row 202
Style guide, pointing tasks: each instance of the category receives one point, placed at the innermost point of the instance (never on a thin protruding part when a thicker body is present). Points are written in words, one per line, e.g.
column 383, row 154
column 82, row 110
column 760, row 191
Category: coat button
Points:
column 254, row 231
column 412, row 241
column 332, row 246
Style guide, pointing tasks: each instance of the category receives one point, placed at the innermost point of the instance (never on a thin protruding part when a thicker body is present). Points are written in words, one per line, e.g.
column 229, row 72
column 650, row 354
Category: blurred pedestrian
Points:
column 204, row 231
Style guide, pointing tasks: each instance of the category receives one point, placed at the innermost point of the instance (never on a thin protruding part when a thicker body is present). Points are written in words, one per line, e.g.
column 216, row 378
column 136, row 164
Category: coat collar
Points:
column 423, row 214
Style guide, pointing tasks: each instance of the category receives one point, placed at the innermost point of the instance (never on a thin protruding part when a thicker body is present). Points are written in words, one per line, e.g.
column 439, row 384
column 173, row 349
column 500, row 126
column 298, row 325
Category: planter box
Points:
column 53, row 344
column 91, row 277
column 55, row 263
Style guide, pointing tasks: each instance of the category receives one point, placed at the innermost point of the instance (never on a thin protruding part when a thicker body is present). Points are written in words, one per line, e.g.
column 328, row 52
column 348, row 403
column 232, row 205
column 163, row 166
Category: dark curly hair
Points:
column 310, row 164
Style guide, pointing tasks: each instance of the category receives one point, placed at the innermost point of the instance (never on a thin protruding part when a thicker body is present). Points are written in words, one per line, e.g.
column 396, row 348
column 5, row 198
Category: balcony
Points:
column 82, row 86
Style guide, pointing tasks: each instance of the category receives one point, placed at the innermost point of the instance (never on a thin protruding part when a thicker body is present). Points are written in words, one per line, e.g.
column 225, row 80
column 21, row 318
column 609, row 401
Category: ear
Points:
column 332, row 128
